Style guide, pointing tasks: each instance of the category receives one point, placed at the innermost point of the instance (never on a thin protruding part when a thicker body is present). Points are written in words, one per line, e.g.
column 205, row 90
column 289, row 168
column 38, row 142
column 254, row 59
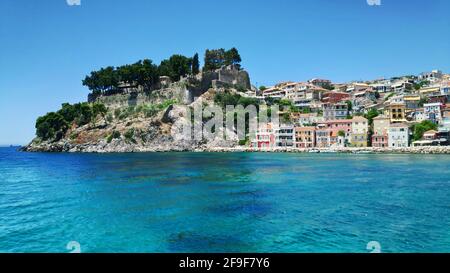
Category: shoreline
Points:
column 341, row 150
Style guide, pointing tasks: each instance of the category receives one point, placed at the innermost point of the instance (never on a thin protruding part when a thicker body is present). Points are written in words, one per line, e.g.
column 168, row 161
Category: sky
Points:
column 47, row 46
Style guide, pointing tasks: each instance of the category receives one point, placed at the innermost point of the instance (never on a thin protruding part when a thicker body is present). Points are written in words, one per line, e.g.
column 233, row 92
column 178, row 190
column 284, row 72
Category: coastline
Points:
column 240, row 149
column 344, row 150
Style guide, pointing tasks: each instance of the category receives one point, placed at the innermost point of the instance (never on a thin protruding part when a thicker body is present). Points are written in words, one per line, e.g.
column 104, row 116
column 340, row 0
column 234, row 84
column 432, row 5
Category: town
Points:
column 407, row 111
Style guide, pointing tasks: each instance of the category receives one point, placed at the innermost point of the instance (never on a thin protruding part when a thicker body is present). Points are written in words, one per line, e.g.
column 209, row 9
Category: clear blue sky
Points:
column 47, row 46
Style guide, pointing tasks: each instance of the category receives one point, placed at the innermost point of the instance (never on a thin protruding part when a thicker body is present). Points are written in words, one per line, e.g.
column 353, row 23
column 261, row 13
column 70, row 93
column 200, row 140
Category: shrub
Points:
column 129, row 135
column 113, row 135
column 117, row 112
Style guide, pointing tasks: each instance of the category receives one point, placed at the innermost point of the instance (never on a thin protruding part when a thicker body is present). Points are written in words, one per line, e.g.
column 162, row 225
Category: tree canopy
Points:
column 419, row 129
column 54, row 125
column 216, row 58
column 175, row 67
column 146, row 74
column 195, row 64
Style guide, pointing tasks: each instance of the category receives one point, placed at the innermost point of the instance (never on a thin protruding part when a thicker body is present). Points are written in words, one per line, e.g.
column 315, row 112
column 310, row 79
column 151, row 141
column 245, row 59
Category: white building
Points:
column 432, row 111
column 398, row 135
column 284, row 136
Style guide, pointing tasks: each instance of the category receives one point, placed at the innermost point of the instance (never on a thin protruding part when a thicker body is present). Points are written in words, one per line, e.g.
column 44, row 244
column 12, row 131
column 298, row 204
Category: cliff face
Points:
column 146, row 122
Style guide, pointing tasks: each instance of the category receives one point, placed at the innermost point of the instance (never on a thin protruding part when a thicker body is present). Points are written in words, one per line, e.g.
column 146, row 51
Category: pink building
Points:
column 265, row 137
column 380, row 141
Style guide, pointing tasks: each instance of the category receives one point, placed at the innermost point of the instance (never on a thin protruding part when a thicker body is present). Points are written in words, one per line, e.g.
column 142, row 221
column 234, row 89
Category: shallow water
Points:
column 230, row 202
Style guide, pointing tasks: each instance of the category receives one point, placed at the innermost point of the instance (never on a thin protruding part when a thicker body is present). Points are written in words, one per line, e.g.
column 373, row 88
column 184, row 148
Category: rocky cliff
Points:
column 138, row 121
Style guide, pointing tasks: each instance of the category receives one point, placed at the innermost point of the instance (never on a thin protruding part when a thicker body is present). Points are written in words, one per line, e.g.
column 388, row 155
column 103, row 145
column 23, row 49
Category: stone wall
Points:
column 238, row 78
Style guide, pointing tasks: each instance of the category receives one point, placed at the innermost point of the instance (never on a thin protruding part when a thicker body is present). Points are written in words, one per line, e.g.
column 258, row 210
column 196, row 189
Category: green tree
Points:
column 175, row 67
column 214, row 59
column 195, row 64
column 349, row 105
column 419, row 129
column 371, row 114
column 51, row 126
column 262, row 88
column 232, row 57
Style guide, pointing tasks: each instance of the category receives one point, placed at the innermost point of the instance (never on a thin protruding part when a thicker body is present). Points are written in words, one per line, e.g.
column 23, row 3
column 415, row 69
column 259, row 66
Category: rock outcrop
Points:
column 136, row 131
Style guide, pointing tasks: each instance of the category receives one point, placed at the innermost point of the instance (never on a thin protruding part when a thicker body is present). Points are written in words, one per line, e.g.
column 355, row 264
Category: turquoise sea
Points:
column 231, row 202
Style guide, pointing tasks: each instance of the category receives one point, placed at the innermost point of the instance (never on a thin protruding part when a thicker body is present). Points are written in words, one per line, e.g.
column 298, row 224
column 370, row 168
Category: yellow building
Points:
column 359, row 135
column 396, row 112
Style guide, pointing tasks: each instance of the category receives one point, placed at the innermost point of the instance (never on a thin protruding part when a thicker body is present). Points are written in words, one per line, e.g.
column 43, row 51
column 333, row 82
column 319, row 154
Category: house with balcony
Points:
column 411, row 101
column 396, row 112
column 398, row 135
column 428, row 91
column 380, row 131
column 359, row 132
column 305, row 137
column 433, row 111
column 381, row 86
column 284, row 136
column 333, row 111
column 264, row 137
column 402, row 86
column 323, row 136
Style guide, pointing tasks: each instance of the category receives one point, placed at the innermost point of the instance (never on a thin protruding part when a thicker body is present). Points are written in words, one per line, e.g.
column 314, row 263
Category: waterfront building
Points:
column 398, row 135
column 359, row 131
column 284, row 136
column 380, row 131
column 264, row 137
column 433, row 138
column 305, row 137
column 323, row 136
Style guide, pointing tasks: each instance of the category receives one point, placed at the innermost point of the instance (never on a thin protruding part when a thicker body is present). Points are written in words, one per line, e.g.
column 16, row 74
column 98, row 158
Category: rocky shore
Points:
column 352, row 150
column 120, row 147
